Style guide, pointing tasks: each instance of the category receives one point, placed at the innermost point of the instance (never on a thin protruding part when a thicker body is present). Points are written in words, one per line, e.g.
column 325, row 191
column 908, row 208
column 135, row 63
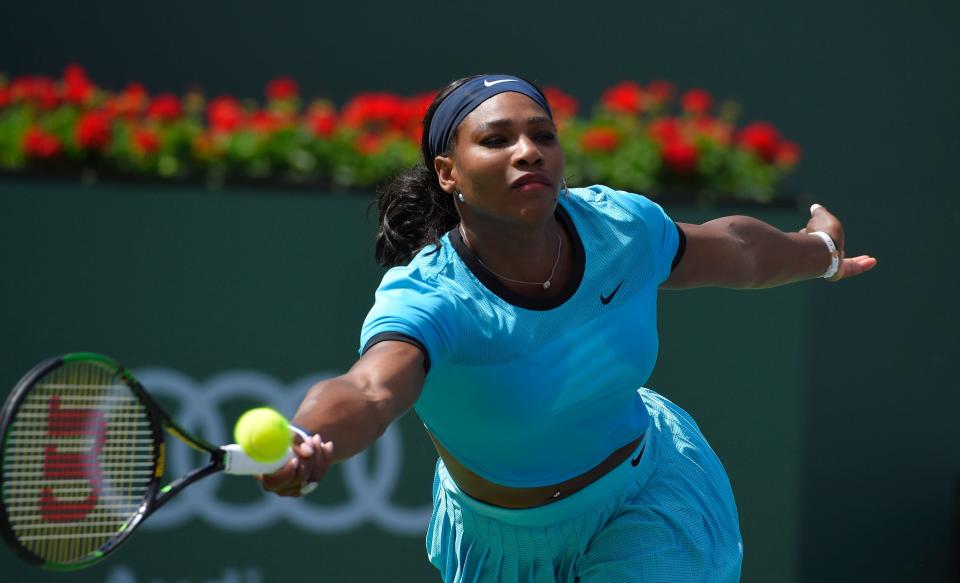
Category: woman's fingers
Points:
column 313, row 458
column 859, row 264
column 291, row 492
column 280, row 478
column 305, row 448
column 853, row 266
column 325, row 454
column 288, row 480
column 822, row 220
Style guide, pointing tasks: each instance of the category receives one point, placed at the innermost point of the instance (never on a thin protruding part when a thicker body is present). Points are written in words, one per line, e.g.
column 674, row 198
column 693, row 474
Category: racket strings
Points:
column 78, row 459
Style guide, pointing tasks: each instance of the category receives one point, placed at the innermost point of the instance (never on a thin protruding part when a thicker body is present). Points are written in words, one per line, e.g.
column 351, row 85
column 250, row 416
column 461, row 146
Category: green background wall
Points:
column 277, row 283
column 868, row 89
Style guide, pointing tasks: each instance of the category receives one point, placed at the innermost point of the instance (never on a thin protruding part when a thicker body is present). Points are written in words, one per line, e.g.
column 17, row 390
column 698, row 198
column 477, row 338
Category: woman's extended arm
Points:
column 350, row 412
column 745, row 253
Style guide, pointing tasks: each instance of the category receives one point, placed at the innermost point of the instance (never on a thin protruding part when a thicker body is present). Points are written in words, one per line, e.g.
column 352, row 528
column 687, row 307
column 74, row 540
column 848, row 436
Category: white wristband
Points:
column 834, row 254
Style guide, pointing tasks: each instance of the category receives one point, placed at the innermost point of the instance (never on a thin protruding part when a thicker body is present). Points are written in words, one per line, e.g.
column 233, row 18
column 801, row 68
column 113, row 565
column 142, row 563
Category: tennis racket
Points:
column 83, row 461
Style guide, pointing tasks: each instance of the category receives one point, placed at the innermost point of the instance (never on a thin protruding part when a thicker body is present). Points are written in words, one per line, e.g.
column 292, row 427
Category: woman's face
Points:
column 507, row 161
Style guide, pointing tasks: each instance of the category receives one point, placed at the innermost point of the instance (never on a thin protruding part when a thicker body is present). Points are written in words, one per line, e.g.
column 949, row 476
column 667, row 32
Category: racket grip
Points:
column 236, row 461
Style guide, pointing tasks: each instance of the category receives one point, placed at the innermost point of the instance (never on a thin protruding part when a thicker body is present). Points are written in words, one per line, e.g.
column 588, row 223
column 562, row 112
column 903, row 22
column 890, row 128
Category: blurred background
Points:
column 832, row 406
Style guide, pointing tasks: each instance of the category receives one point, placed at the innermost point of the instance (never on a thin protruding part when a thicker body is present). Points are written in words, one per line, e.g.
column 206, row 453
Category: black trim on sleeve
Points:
column 681, row 247
column 400, row 337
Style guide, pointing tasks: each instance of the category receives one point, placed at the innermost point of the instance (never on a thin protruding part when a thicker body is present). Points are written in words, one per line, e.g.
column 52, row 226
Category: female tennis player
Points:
column 518, row 319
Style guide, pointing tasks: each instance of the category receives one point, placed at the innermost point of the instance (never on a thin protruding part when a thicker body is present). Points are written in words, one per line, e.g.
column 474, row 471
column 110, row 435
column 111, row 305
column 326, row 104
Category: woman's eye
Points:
column 493, row 141
column 546, row 137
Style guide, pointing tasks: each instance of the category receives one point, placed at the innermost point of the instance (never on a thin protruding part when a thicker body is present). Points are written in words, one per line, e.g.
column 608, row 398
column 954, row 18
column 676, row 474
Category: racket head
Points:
column 81, row 448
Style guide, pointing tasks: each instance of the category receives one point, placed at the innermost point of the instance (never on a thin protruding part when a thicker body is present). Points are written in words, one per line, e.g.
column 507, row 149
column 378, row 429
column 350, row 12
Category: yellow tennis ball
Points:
column 263, row 434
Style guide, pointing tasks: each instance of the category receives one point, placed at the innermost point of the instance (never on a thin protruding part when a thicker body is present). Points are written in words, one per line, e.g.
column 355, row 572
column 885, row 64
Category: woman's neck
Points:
column 524, row 253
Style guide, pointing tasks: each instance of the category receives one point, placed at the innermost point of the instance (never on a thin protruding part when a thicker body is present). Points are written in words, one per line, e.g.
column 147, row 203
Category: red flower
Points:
column 40, row 144
column 39, row 91
column 45, row 93
column 93, row 130
column 600, row 140
column 563, row 106
column 146, row 140
column 322, row 120
column 665, row 130
column 679, row 157
column 264, row 122
column 415, row 108
column 225, row 114
column 375, row 112
column 697, row 101
column 74, row 73
column 626, row 97
column 416, row 135
column 282, row 88
column 165, row 107
column 660, row 92
column 131, row 102
column 369, row 143
column 5, row 97
column 78, row 89
column 760, row 138
column 788, row 154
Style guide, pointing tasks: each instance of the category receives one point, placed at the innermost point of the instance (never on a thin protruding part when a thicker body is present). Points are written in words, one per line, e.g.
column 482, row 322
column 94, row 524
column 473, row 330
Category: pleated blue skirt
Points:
column 670, row 518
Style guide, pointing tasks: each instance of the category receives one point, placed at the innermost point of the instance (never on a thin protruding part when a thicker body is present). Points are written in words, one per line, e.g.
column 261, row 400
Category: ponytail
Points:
column 414, row 210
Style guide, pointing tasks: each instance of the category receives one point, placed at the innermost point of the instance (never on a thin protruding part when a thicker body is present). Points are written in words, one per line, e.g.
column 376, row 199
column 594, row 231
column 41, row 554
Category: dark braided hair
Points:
column 414, row 210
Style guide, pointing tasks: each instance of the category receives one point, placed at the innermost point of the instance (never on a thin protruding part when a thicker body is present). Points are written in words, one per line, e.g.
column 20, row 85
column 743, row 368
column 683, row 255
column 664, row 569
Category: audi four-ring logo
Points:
column 369, row 491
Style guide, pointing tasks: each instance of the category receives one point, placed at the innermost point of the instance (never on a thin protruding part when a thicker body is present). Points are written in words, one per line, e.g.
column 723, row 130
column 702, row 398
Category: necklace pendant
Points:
column 546, row 284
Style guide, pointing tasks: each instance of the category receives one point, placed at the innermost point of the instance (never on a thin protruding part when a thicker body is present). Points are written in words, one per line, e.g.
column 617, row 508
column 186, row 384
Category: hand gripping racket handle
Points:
column 238, row 463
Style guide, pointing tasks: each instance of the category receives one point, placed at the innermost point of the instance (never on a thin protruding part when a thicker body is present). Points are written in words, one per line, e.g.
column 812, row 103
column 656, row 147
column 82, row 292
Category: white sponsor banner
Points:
column 369, row 491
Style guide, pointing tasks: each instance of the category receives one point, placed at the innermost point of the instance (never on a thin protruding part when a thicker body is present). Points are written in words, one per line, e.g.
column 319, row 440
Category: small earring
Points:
column 563, row 187
column 460, row 196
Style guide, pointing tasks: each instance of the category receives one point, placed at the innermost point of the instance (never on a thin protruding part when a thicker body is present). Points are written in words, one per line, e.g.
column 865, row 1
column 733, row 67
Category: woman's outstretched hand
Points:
column 312, row 460
column 822, row 220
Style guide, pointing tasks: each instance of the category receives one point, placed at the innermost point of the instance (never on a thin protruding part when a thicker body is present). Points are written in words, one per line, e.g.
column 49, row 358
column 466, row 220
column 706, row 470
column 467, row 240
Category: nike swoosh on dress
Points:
column 606, row 300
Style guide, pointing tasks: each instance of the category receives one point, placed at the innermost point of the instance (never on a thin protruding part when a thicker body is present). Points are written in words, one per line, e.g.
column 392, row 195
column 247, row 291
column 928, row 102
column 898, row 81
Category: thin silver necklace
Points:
column 544, row 285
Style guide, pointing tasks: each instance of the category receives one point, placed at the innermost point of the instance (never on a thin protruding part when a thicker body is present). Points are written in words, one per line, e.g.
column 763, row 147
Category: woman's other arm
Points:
column 745, row 253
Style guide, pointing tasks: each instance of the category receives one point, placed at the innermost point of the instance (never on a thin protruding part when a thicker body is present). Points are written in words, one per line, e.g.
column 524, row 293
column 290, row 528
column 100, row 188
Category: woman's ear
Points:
column 446, row 173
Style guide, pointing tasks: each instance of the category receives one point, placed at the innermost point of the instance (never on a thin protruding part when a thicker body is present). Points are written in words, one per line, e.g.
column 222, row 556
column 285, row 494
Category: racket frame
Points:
column 155, row 495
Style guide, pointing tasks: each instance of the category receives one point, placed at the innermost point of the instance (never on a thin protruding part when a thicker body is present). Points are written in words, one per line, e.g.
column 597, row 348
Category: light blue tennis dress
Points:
column 531, row 393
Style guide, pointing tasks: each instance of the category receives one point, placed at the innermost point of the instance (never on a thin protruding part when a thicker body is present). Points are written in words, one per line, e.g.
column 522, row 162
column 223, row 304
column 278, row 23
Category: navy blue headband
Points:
column 468, row 97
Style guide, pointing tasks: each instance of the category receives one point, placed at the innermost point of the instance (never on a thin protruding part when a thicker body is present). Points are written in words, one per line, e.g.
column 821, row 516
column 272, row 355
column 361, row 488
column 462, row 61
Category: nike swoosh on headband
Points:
column 492, row 83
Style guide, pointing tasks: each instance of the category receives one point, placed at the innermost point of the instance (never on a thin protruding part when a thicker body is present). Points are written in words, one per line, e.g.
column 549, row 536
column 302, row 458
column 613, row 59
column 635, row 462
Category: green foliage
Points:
column 630, row 141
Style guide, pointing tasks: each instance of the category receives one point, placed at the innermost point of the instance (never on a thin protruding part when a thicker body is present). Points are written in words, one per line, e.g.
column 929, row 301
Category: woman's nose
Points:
column 528, row 152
